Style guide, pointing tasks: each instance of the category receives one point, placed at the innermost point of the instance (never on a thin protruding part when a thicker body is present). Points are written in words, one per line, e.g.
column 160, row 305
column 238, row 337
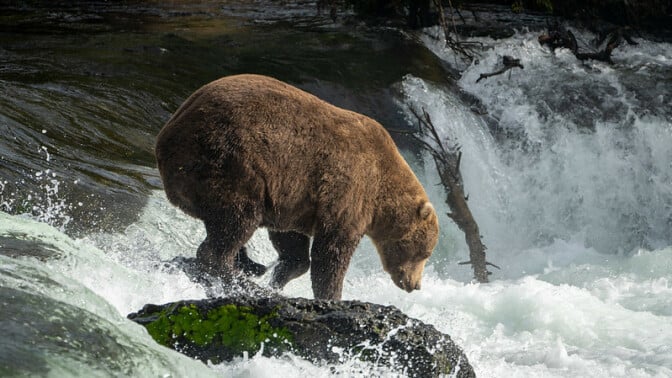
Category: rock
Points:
column 18, row 248
column 320, row 331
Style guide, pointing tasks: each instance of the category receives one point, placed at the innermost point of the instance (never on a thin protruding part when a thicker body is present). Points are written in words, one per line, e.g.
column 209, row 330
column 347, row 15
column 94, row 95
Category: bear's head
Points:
column 404, row 255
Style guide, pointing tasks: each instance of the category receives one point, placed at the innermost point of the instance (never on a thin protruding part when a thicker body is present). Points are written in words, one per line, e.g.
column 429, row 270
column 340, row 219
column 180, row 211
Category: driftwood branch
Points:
column 509, row 63
column 447, row 160
column 560, row 37
column 486, row 263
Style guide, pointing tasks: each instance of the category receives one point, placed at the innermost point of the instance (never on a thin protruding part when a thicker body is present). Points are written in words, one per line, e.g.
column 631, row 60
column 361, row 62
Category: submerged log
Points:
column 321, row 331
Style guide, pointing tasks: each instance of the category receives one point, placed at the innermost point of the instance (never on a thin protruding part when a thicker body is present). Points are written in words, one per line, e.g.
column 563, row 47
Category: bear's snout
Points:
column 408, row 281
column 407, row 285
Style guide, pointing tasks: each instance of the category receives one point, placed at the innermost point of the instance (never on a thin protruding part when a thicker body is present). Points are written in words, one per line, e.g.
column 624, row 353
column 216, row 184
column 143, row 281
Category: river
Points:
column 567, row 164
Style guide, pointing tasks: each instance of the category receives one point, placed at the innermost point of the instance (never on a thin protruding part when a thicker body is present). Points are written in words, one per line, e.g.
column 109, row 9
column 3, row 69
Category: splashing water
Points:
column 570, row 179
column 575, row 154
column 44, row 204
column 568, row 176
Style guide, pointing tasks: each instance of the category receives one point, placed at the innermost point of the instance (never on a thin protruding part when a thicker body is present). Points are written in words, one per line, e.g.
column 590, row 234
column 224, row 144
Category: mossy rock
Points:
column 320, row 331
column 216, row 333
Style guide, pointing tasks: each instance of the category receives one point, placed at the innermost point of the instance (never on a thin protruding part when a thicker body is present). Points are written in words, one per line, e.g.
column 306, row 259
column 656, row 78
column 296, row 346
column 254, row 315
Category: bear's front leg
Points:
column 248, row 266
column 330, row 257
column 214, row 256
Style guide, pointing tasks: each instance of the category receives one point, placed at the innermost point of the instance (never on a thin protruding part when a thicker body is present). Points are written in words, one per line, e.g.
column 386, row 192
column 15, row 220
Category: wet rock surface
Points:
column 320, row 331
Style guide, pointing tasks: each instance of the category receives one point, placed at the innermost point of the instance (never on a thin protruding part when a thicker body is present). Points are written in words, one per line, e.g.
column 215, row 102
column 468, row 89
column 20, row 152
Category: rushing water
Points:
column 568, row 167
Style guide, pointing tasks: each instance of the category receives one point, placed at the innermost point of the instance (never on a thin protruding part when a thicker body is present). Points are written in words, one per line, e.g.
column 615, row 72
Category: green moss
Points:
column 442, row 361
column 365, row 353
column 518, row 6
column 237, row 328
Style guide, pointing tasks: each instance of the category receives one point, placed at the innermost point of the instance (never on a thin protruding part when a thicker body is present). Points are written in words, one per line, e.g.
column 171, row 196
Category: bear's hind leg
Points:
column 294, row 258
column 227, row 232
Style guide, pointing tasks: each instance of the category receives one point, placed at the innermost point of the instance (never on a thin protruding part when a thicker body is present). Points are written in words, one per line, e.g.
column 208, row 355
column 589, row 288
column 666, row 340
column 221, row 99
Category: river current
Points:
column 567, row 165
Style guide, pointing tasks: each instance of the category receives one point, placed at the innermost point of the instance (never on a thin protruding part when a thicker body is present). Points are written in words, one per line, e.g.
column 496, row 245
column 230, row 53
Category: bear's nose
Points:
column 406, row 285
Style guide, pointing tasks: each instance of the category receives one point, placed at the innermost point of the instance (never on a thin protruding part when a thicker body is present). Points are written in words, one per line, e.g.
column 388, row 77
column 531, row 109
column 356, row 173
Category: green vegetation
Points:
column 643, row 13
column 236, row 328
column 540, row 5
column 377, row 7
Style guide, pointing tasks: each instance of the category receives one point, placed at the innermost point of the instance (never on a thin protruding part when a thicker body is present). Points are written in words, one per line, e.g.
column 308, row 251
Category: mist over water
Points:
column 568, row 170
column 576, row 153
column 569, row 176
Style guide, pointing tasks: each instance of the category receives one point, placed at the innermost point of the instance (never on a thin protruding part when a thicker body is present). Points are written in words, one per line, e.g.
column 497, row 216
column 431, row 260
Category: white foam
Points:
column 576, row 313
column 559, row 208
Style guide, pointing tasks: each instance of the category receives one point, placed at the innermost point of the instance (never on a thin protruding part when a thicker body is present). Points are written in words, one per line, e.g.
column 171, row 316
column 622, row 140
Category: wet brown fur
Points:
column 249, row 151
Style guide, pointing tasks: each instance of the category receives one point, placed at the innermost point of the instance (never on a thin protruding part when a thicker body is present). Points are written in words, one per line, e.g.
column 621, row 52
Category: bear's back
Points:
column 263, row 105
column 257, row 132
column 262, row 118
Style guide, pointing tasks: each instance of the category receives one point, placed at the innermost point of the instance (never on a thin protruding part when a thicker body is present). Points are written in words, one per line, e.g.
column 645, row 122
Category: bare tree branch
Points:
column 453, row 43
column 561, row 37
column 509, row 63
column 447, row 160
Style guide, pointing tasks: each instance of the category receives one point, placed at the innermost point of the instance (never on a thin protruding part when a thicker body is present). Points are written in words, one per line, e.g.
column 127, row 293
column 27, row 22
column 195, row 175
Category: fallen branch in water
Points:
column 470, row 263
column 447, row 160
column 558, row 37
column 461, row 48
column 509, row 63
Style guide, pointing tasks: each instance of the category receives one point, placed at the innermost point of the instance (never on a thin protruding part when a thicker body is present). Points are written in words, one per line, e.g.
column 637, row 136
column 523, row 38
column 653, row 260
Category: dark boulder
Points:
column 320, row 331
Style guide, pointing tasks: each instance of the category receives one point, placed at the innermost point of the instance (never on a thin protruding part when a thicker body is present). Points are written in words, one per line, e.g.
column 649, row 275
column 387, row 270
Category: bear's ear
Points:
column 426, row 210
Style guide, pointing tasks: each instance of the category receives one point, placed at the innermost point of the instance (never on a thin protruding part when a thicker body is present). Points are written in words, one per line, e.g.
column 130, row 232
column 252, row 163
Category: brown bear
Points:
column 250, row 151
